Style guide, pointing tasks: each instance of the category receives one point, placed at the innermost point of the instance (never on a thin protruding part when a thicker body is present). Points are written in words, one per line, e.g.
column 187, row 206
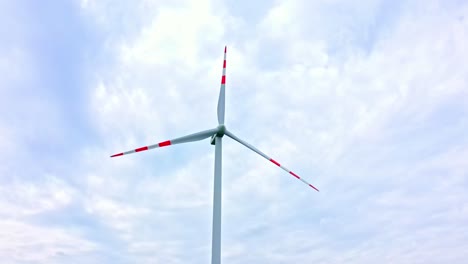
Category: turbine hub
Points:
column 221, row 131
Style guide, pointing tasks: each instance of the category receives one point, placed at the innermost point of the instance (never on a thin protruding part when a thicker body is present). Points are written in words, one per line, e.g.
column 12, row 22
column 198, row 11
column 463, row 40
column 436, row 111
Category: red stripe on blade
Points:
column 223, row 80
column 116, row 155
column 224, row 64
column 225, row 49
column 274, row 161
column 314, row 187
column 141, row 149
column 294, row 174
column 165, row 143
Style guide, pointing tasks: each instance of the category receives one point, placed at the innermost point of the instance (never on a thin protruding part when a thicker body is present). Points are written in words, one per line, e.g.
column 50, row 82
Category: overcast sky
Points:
column 367, row 100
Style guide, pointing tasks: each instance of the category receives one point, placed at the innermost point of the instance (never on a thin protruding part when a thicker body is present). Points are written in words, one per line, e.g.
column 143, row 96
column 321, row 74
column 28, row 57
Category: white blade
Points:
column 222, row 92
column 189, row 138
column 229, row 134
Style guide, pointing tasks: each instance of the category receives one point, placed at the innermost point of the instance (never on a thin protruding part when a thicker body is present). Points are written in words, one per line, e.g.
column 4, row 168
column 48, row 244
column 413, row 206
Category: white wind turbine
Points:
column 216, row 135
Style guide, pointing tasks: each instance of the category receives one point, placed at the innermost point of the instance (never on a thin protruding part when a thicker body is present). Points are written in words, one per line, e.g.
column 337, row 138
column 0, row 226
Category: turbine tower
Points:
column 216, row 135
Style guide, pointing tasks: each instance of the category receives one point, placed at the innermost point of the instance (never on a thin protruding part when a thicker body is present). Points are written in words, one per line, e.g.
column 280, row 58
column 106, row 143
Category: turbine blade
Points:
column 189, row 138
column 254, row 149
column 222, row 92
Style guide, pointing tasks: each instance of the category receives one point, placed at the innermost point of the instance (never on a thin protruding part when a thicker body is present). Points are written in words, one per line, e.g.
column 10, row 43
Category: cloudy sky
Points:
column 368, row 101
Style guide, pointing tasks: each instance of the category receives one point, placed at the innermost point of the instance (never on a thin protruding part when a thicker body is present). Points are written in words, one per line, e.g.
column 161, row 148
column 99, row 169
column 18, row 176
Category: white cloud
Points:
column 178, row 44
column 22, row 242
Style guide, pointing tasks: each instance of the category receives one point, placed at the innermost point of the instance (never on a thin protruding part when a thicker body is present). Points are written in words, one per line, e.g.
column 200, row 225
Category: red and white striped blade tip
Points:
column 292, row 173
column 314, row 187
column 159, row 145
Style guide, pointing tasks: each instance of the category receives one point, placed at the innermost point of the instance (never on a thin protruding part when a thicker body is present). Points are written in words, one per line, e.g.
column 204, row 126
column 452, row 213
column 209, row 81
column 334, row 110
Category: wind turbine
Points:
column 216, row 135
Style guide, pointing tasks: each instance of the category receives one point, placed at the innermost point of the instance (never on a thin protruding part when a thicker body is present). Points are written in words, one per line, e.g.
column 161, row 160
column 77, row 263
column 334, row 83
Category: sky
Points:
column 368, row 101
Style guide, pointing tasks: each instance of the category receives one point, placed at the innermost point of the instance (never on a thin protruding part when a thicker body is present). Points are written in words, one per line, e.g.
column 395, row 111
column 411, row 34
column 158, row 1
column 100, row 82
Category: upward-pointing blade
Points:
column 222, row 92
column 268, row 158
column 189, row 138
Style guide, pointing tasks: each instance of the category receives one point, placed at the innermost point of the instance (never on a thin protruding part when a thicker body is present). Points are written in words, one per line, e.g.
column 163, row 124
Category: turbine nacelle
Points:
column 221, row 130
